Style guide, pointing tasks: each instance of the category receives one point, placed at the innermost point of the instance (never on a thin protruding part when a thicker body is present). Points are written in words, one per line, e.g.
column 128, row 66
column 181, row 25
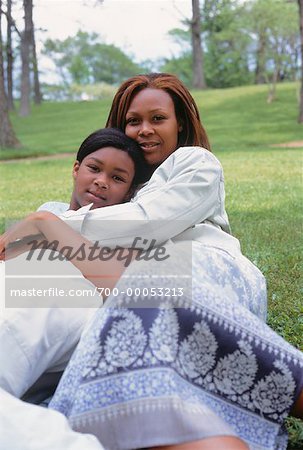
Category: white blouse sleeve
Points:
column 30, row 427
column 183, row 191
column 54, row 207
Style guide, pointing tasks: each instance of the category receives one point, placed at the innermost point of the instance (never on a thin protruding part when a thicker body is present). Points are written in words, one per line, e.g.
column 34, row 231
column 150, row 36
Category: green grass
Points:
column 240, row 118
column 264, row 201
column 56, row 127
column 235, row 119
column 263, row 184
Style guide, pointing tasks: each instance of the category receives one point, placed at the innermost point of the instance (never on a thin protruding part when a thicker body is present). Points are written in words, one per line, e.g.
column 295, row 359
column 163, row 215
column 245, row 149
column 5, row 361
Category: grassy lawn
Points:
column 263, row 184
column 235, row 119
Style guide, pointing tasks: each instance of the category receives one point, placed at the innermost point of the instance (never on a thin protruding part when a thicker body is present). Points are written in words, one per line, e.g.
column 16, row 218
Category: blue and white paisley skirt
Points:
column 186, row 368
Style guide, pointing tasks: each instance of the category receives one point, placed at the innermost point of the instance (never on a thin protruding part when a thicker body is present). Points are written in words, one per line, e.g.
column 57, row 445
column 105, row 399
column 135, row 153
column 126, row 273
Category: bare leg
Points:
column 213, row 443
column 227, row 442
column 297, row 410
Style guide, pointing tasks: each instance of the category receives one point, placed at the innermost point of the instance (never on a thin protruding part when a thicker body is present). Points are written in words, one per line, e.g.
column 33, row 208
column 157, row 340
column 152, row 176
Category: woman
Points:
column 195, row 371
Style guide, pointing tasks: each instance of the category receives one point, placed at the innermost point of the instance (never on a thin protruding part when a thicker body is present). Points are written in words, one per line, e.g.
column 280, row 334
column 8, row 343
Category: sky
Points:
column 138, row 27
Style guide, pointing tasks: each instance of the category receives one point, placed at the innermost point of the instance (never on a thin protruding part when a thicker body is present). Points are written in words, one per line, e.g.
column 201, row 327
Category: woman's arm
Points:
column 185, row 190
column 45, row 230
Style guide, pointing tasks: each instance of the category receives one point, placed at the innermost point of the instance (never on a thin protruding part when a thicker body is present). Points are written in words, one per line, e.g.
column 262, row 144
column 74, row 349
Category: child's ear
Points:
column 76, row 169
column 130, row 194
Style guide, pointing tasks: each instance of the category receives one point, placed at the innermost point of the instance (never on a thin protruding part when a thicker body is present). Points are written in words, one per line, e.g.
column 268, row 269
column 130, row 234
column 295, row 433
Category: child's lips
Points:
column 97, row 196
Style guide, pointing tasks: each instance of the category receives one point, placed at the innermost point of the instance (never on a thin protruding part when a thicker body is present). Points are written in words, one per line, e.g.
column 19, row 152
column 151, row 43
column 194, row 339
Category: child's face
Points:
column 103, row 178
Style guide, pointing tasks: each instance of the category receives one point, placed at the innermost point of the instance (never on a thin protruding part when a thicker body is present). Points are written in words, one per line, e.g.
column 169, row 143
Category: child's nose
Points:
column 102, row 182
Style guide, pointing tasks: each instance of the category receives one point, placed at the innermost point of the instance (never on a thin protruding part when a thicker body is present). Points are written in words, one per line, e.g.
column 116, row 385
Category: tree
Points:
column 181, row 66
column 198, row 71
column 284, row 26
column 26, row 40
column 7, row 136
column 83, row 59
column 258, row 24
column 37, row 91
column 29, row 62
column 274, row 30
column 300, row 118
column 9, row 55
column 227, row 57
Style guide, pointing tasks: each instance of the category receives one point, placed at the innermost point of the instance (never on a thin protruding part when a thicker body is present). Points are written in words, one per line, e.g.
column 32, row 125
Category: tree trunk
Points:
column 260, row 56
column 9, row 57
column 272, row 84
column 25, row 57
column 37, row 90
column 7, row 135
column 300, row 118
column 198, row 72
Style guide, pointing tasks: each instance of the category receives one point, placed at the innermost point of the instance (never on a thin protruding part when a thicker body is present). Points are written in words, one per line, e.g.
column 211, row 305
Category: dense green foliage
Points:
column 243, row 42
column 85, row 59
column 263, row 183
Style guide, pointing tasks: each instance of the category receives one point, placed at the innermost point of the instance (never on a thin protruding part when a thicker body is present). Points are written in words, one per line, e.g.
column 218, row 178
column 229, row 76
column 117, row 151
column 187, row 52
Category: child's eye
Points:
column 119, row 179
column 93, row 168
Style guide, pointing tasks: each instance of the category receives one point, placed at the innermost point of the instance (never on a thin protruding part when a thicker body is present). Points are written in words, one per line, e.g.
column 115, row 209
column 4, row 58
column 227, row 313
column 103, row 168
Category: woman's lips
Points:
column 148, row 146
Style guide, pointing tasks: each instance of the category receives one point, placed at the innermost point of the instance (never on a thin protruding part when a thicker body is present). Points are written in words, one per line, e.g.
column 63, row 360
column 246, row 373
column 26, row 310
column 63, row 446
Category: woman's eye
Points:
column 158, row 118
column 132, row 121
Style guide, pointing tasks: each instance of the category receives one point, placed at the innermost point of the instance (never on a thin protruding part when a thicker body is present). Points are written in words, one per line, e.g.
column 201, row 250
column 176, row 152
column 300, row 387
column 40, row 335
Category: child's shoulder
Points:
column 54, row 207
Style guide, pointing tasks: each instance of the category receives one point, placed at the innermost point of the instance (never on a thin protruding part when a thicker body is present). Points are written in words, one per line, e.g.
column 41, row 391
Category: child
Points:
column 109, row 167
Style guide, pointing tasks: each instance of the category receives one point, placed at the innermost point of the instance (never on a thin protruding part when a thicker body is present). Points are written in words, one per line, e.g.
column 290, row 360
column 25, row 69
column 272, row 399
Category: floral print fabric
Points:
column 186, row 368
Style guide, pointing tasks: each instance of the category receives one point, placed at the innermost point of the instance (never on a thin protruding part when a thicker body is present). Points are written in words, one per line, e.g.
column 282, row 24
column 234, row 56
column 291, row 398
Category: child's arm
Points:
column 39, row 229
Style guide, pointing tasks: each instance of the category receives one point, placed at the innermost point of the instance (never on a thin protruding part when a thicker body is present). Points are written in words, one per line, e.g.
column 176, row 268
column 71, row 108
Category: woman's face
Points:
column 151, row 121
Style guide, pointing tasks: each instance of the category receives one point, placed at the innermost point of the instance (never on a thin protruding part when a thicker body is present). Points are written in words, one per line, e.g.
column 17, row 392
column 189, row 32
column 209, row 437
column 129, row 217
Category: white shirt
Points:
column 184, row 199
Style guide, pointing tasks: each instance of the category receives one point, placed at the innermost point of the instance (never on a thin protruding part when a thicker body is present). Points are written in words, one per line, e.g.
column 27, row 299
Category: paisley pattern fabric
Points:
column 187, row 368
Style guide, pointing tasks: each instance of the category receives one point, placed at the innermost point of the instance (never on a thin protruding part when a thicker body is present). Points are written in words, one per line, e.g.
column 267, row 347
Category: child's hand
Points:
column 15, row 240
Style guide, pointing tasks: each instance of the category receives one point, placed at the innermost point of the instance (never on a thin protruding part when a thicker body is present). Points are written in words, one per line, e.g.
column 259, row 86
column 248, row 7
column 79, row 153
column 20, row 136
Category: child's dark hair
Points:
column 113, row 137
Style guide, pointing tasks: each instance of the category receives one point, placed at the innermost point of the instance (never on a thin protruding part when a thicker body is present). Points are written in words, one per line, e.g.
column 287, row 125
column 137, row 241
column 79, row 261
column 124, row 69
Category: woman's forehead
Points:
column 151, row 99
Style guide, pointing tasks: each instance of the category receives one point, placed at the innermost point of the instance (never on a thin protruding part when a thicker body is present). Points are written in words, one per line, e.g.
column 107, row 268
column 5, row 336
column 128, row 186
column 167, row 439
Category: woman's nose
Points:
column 146, row 129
